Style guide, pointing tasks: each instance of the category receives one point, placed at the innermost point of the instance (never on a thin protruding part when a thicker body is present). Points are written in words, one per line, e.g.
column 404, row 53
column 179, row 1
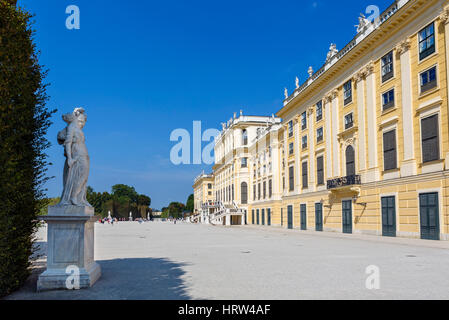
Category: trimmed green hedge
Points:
column 24, row 120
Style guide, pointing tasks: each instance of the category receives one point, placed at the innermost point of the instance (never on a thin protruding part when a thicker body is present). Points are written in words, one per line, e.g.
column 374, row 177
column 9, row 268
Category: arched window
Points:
column 350, row 161
column 244, row 192
column 244, row 137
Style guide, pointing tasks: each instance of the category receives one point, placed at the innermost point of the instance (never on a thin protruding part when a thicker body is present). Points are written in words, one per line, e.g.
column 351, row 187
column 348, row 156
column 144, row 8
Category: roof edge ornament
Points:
column 363, row 23
column 332, row 52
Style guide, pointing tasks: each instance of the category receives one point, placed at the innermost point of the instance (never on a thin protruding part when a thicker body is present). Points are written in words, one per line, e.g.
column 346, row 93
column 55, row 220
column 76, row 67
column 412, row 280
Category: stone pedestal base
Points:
column 59, row 279
column 70, row 253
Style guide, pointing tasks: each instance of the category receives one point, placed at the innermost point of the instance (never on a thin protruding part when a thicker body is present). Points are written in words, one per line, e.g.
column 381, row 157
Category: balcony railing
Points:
column 344, row 182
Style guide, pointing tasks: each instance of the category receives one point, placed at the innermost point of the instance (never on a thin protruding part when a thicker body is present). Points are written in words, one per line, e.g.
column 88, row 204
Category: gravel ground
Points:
column 157, row 260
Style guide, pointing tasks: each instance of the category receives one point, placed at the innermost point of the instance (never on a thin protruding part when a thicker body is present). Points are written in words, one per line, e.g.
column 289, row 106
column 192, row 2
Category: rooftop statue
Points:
column 332, row 51
column 363, row 23
column 310, row 71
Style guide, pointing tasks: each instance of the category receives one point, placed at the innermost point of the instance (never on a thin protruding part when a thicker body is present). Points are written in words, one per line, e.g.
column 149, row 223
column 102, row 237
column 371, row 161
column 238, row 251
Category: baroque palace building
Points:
column 363, row 145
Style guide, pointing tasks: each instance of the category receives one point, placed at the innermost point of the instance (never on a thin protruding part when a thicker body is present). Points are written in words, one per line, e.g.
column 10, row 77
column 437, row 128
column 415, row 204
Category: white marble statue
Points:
column 297, row 82
column 310, row 72
column 286, row 93
column 363, row 23
column 332, row 51
column 76, row 167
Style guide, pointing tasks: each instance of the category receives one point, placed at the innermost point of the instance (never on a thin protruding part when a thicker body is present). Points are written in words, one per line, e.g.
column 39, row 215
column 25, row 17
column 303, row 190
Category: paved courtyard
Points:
column 157, row 260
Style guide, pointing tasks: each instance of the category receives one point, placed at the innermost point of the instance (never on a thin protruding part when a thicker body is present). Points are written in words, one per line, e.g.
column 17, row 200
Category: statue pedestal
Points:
column 70, row 249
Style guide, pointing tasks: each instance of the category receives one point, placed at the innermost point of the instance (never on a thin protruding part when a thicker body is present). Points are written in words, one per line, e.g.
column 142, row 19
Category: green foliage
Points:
column 46, row 203
column 123, row 200
column 122, row 190
column 190, row 204
column 24, row 120
column 174, row 210
column 98, row 201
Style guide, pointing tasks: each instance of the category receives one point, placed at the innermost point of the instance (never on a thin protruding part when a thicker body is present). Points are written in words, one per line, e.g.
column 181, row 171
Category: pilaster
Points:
column 408, row 165
column 373, row 169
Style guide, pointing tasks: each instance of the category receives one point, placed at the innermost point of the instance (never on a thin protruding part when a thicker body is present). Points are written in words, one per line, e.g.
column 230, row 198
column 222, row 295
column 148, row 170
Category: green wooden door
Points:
column 263, row 217
column 429, row 216
column 252, row 216
column 257, row 212
column 388, row 216
column 303, row 210
column 318, row 217
column 269, row 217
column 290, row 217
column 347, row 216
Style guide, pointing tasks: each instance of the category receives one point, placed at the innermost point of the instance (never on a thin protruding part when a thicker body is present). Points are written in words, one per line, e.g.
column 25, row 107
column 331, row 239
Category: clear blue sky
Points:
column 144, row 68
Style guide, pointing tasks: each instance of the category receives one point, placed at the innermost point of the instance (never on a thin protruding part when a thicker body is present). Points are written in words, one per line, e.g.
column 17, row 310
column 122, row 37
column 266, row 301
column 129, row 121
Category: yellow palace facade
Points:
column 363, row 146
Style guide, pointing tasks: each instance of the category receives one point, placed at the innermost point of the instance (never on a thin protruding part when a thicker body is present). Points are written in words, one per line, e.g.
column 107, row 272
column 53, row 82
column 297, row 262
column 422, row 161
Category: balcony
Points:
column 344, row 182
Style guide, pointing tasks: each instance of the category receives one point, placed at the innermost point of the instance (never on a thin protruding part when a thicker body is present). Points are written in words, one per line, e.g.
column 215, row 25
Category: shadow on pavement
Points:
column 122, row 279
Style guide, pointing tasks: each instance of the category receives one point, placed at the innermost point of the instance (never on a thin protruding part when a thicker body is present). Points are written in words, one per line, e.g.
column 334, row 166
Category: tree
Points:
column 48, row 202
column 175, row 209
column 122, row 190
column 98, row 200
column 190, row 204
column 143, row 205
column 123, row 200
column 24, row 121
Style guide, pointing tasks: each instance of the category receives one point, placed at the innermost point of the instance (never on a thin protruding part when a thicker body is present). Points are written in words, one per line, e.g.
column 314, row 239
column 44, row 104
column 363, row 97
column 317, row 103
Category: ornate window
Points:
column 319, row 111
column 244, row 162
column 347, row 92
column 350, row 161
column 319, row 134
column 390, row 161
column 320, row 170
column 430, row 138
column 428, row 79
column 244, row 193
column 387, row 67
column 304, row 120
column 290, row 129
column 270, row 188
column 291, row 181
column 304, row 142
column 244, row 137
column 427, row 41
column 305, row 175
column 349, row 121
column 388, row 100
